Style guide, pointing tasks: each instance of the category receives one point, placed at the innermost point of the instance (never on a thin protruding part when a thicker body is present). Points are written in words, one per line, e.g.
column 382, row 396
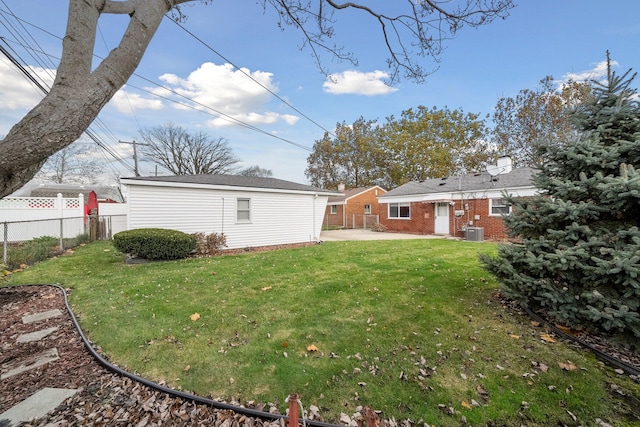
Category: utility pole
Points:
column 135, row 155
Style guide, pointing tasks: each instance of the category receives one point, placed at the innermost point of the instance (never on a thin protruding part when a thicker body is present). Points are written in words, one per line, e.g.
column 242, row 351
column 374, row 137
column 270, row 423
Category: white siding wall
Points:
column 276, row 218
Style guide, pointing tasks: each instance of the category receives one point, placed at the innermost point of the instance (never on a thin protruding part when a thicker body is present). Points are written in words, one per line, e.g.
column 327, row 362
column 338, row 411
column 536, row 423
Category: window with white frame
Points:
column 499, row 207
column 334, row 209
column 399, row 210
column 367, row 209
column 243, row 210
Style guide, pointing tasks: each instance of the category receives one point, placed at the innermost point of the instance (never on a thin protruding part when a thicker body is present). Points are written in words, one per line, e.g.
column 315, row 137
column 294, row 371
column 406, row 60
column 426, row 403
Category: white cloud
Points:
column 254, row 119
column 16, row 92
column 128, row 102
column 598, row 72
column 356, row 82
column 230, row 91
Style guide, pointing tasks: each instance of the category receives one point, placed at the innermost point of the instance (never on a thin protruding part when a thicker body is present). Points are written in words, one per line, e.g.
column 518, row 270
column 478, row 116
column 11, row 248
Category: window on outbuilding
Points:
column 399, row 210
column 367, row 209
column 334, row 209
column 499, row 207
column 243, row 210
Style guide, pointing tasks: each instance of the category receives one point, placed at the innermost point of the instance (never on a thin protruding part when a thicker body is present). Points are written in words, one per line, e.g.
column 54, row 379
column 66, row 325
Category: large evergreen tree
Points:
column 576, row 252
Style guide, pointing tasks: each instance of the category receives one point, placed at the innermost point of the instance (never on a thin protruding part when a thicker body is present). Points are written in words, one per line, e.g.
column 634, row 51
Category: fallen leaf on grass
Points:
column 567, row 330
column 569, row 366
column 266, row 288
column 515, row 337
column 187, row 368
column 547, row 338
column 312, row 347
column 466, row 405
column 194, row 316
column 535, row 324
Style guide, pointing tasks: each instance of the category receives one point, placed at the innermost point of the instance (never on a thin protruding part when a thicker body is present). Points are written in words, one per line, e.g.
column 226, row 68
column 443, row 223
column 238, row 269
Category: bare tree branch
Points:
column 183, row 153
column 409, row 33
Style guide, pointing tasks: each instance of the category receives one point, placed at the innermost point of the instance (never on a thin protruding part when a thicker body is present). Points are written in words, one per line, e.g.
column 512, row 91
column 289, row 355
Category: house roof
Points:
column 520, row 177
column 347, row 194
column 68, row 190
column 229, row 181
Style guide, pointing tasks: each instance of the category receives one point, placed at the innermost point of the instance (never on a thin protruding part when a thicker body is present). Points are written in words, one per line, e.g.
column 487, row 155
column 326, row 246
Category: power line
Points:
column 251, row 77
column 218, row 114
column 45, row 90
column 21, row 68
column 29, row 74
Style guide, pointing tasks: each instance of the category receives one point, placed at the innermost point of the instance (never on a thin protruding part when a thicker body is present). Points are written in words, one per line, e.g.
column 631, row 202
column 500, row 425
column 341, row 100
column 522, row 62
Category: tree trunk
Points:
column 78, row 94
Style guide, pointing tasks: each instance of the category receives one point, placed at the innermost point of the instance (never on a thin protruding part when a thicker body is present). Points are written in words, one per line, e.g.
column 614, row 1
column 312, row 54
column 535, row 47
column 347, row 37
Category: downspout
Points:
column 315, row 237
column 222, row 217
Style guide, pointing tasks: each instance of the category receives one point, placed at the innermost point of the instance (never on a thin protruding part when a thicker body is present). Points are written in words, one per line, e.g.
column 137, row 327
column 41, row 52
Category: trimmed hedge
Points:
column 155, row 243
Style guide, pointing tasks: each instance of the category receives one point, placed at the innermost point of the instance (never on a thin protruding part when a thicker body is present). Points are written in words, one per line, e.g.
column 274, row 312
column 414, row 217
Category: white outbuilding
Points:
column 249, row 211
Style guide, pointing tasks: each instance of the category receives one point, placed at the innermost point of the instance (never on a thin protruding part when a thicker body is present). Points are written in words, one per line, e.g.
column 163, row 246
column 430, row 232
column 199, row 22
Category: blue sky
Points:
column 561, row 38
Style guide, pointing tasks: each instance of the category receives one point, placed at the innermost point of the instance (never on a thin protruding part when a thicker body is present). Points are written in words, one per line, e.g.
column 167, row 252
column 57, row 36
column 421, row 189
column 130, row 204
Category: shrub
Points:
column 155, row 243
column 80, row 239
column 216, row 242
column 211, row 244
column 37, row 249
column 201, row 244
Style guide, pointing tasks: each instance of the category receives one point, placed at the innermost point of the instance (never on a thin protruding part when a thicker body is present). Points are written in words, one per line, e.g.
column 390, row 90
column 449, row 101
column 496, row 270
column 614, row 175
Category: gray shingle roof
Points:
column 233, row 181
column 346, row 194
column 520, row 177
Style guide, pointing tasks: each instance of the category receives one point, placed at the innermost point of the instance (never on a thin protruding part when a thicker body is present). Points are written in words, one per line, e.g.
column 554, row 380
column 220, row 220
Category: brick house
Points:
column 355, row 208
column 457, row 205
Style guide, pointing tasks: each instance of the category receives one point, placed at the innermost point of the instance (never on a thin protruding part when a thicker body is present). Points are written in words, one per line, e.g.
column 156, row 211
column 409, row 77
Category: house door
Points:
column 442, row 218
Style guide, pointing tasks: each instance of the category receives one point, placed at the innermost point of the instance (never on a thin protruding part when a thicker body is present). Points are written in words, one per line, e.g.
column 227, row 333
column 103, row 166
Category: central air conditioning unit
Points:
column 474, row 234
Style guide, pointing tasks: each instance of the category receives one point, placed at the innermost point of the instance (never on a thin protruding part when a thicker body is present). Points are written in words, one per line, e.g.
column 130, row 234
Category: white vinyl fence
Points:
column 41, row 216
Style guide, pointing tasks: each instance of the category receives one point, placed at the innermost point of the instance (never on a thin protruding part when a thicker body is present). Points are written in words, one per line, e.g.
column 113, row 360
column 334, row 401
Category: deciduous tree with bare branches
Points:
column 184, row 153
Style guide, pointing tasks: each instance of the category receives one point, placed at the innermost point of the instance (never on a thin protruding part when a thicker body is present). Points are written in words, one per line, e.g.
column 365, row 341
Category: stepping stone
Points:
column 36, row 406
column 30, row 363
column 41, row 316
column 37, row 335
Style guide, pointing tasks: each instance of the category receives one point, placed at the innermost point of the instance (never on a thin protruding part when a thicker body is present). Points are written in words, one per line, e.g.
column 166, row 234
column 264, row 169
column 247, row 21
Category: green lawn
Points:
column 410, row 328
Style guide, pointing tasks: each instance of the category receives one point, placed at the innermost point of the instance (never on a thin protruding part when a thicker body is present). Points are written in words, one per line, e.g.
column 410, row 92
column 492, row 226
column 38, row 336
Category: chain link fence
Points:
column 351, row 221
column 20, row 237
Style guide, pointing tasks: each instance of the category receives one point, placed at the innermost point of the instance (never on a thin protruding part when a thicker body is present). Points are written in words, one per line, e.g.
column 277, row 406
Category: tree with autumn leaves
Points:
column 436, row 142
column 536, row 117
column 422, row 143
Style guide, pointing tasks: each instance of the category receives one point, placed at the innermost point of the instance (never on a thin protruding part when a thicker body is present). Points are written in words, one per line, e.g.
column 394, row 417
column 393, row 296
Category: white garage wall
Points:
column 277, row 217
